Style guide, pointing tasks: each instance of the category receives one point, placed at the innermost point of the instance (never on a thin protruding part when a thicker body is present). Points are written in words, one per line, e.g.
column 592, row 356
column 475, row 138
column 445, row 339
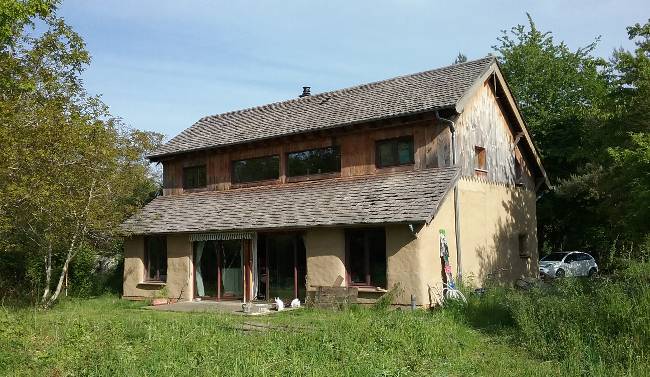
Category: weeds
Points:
column 590, row 324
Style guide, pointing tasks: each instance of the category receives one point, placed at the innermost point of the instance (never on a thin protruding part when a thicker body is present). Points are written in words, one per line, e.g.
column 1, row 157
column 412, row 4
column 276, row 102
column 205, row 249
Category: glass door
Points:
column 282, row 265
column 205, row 269
column 232, row 277
column 218, row 273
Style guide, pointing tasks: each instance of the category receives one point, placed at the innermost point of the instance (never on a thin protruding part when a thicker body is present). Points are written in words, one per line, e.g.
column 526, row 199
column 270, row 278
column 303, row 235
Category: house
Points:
column 356, row 187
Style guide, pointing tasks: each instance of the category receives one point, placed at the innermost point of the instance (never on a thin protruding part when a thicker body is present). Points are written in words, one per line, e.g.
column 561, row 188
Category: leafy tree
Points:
column 460, row 58
column 589, row 119
column 69, row 172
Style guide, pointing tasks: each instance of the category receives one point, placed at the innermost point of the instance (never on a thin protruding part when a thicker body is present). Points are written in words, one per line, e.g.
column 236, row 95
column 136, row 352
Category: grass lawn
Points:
column 110, row 337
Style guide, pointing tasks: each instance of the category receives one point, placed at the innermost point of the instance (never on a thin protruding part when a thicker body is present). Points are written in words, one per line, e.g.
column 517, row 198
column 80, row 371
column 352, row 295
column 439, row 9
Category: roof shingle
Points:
column 410, row 196
column 410, row 94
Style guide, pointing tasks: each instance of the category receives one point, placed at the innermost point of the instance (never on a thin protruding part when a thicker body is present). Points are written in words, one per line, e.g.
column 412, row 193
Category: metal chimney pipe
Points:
column 305, row 91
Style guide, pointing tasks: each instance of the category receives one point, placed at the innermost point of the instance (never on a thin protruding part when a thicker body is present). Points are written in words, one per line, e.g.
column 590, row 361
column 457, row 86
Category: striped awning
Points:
column 222, row 236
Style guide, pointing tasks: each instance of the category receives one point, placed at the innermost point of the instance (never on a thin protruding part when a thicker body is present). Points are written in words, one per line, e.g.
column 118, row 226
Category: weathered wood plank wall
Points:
column 431, row 144
column 483, row 124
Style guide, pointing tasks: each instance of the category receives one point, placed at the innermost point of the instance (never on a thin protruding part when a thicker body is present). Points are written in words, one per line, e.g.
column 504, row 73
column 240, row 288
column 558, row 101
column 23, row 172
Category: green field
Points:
column 109, row 337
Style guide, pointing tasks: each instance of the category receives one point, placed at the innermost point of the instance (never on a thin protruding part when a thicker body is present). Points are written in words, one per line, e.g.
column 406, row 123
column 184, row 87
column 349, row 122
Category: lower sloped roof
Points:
column 409, row 196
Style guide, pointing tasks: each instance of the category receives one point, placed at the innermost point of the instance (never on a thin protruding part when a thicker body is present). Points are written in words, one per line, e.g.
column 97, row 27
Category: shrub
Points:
column 589, row 323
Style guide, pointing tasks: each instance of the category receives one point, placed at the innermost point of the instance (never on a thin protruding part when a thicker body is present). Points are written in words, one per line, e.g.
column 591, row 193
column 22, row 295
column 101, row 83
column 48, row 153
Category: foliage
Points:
column 69, row 171
column 108, row 336
column 460, row 58
column 590, row 120
column 600, row 324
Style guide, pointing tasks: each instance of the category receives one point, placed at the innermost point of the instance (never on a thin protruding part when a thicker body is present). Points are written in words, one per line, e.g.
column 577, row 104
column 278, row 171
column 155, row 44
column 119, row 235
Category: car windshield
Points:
column 554, row 257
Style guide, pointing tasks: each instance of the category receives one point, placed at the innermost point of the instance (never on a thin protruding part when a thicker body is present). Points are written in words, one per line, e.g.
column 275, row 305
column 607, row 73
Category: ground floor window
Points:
column 155, row 258
column 366, row 257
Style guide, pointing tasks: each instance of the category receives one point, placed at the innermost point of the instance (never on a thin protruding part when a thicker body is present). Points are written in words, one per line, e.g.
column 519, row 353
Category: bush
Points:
column 590, row 323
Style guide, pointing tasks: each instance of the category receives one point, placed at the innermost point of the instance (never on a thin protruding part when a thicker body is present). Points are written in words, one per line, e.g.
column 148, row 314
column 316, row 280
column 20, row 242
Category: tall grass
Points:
column 592, row 325
column 111, row 337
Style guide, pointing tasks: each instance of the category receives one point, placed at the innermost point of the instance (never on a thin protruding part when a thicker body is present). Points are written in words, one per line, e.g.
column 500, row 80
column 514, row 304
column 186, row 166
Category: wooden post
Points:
column 295, row 268
column 219, row 271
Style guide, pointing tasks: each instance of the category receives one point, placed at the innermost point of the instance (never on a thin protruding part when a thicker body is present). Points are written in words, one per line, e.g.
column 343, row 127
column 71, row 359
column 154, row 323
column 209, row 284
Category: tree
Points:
column 589, row 119
column 69, row 171
column 460, row 58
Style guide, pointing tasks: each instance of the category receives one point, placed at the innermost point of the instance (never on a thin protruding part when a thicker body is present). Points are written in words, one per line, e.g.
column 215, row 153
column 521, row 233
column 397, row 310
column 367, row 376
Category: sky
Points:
column 162, row 65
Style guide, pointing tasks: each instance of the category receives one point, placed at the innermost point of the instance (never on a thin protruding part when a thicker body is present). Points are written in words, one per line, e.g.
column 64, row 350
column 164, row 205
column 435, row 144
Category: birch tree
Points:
column 69, row 171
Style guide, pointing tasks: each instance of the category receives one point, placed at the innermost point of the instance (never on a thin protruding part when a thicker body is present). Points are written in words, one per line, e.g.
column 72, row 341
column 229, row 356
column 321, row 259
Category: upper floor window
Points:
column 256, row 169
column 194, row 177
column 314, row 161
column 155, row 258
column 480, row 161
column 395, row 152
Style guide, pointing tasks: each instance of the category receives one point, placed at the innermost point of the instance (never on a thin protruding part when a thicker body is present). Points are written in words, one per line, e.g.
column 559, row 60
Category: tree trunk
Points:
column 79, row 235
column 48, row 273
column 64, row 271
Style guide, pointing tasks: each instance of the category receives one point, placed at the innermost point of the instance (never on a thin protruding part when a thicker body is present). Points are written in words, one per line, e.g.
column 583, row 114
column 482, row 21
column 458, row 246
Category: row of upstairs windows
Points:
column 389, row 153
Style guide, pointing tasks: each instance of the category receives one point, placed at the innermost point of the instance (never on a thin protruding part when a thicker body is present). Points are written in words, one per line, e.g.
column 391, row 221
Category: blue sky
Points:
column 161, row 65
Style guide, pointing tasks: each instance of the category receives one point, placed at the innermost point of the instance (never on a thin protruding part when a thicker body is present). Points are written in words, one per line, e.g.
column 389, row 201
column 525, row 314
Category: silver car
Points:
column 568, row 263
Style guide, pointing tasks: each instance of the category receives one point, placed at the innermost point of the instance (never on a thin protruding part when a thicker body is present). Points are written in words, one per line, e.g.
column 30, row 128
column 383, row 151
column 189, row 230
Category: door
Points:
column 572, row 264
column 218, row 272
column 282, row 266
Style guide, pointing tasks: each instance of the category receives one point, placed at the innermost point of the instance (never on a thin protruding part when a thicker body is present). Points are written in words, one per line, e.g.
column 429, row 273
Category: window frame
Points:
column 524, row 250
column 480, row 161
column 147, row 261
column 367, row 258
column 205, row 177
column 325, row 174
column 237, row 183
column 395, row 150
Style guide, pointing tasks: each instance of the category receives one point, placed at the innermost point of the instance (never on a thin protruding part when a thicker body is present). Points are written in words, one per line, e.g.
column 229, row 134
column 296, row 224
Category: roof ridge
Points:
column 342, row 90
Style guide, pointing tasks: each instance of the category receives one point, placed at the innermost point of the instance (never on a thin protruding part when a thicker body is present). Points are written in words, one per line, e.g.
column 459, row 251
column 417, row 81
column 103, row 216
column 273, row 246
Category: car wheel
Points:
column 592, row 272
column 559, row 273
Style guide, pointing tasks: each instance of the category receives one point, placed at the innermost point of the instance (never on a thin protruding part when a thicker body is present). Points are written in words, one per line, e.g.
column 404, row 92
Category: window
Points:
column 395, row 152
column 480, row 165
column 314, row 161
column 518, row 174
column 366, row 257
column 523, row 245
column 571, row 258
column 155, row 258
column 194, row 177
column 584, row 257
column 256, row 169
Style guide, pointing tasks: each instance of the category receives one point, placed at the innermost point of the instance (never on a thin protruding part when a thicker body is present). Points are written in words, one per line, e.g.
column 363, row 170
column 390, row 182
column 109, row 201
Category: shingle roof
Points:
column 410, row 94
column 410, row 196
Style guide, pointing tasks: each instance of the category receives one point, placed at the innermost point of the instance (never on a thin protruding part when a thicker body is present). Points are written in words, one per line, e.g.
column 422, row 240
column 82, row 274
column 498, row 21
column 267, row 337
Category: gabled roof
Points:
column 411, row 94
column 404, row 197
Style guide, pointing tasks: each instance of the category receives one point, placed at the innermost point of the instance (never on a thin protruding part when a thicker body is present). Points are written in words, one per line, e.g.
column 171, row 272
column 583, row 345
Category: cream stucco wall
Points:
column 179, row 268
column 403, row 263
column 325, row 249
column 492, row 216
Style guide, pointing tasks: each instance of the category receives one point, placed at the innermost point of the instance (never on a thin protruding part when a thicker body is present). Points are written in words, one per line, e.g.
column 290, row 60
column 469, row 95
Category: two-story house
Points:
column 357, row 187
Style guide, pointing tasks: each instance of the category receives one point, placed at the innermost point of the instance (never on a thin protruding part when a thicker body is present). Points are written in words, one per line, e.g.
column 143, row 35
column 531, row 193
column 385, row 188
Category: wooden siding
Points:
column 431, row 148
column 483, row 124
